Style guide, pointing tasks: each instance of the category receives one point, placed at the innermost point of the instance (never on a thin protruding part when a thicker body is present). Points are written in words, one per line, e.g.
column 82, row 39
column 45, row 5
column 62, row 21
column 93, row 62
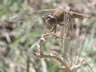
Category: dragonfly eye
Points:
column 50, row 16
column 51, row 19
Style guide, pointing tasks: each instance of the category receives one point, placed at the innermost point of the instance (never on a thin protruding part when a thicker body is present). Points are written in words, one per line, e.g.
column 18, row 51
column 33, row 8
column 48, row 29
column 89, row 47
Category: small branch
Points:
column 83, row 62
column 58, row 58
column 54, row 56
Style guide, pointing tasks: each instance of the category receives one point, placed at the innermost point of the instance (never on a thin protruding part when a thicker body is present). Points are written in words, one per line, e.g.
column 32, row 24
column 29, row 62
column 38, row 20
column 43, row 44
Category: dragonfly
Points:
column 62, row 18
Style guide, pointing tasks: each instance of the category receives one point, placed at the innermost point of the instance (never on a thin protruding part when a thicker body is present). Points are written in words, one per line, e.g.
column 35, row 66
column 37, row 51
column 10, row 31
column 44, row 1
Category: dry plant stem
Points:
column 60, row 59
column 76, row 67
column 57, row 56
column 82, row 63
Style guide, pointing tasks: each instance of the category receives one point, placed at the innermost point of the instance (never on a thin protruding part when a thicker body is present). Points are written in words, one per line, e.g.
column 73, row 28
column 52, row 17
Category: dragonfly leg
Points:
column 54, row 29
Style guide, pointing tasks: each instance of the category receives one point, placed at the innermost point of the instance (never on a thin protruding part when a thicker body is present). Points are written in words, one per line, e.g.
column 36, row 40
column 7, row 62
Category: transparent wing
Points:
column 66, row 33
column 70, row 47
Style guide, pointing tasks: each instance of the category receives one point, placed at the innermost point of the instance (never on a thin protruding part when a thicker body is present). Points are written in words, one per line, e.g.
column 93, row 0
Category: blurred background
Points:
column 20, row 29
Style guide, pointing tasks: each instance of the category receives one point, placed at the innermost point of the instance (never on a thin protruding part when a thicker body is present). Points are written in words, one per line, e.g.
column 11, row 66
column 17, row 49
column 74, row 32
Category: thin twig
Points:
column 57, row 56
